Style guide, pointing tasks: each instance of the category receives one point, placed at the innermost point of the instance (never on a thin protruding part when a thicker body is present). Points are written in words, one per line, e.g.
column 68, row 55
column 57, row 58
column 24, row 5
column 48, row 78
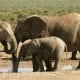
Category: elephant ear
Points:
column 37, row 25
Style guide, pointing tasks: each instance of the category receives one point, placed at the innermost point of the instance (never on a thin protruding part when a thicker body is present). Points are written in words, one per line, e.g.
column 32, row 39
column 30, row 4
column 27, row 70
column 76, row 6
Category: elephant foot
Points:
column 49, row 69
column 73, row 58
column 36, row 70
column 78, row 68
column 55, row 69
column 42, row 71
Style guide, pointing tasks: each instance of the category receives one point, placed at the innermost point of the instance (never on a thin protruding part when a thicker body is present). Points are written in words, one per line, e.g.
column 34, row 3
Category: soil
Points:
column 5, row 61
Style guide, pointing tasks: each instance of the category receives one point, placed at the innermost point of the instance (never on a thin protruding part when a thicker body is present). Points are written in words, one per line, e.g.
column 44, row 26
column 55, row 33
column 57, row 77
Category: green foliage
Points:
column 11, row 10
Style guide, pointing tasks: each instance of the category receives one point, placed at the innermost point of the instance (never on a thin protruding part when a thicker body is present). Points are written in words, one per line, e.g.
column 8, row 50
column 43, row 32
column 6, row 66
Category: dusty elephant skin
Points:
column 66, row 27
column 7, row 36
column 47, row 49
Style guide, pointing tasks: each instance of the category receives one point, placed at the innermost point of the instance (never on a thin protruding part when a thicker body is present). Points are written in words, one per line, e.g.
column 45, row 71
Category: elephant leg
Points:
column 17, row 64
column 14, row 60
column 41, row 67
column 78, row 67
column 35, row 64
column 48, row 65
column 56, row 65
column 74, row 55
column 58, row 56
column 40, row 63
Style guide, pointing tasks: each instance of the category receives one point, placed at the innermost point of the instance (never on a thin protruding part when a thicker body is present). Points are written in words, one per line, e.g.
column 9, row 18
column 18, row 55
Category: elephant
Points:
column 67, row 27
column 74, row 53
column 7, row 37
column 43, row 49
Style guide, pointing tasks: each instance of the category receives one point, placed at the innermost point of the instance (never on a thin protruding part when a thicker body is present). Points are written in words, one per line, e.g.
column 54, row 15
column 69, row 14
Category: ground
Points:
column 5, row 62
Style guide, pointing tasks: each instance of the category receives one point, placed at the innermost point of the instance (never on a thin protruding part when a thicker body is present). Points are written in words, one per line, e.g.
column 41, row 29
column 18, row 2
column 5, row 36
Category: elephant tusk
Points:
column 18, row 49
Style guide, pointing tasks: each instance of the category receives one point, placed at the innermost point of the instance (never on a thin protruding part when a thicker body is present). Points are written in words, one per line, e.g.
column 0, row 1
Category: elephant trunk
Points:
column 10, row 38
column 13, row 45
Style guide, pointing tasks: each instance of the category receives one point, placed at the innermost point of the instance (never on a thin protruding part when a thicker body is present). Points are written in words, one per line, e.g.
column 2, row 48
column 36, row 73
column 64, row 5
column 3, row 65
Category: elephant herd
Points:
column 44, row 37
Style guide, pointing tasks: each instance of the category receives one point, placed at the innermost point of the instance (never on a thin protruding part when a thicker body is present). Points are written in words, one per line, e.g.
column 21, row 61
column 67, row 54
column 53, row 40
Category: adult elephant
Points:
column 7, row 37
column 66, row 27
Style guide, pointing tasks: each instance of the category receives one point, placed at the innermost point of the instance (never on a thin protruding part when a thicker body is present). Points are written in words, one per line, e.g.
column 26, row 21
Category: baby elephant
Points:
column 43, row 49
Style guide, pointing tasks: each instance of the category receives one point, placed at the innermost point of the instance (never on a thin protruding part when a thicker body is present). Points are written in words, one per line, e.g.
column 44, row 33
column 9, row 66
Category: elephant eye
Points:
column 25, row 37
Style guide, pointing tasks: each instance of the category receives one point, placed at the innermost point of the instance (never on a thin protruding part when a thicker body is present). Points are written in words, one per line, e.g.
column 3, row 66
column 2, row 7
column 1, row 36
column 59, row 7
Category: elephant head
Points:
column 7, row 36
column 27, row 48
column 30, row 27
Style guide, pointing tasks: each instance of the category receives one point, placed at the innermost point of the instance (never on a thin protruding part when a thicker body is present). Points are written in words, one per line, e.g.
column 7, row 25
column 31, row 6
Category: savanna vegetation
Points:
column 11, row 10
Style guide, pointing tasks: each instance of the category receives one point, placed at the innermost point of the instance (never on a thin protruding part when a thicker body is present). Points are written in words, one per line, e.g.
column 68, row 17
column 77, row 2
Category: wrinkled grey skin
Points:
column 7, row 36
column 43, row 49
column 66, row 27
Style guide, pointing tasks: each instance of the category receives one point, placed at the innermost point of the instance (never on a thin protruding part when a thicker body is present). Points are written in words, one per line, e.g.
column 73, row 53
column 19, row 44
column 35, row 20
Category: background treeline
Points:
column 11, row 10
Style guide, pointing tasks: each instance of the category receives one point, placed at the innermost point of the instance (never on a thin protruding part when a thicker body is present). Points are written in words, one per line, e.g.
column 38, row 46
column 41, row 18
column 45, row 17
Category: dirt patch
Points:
column 5, row 61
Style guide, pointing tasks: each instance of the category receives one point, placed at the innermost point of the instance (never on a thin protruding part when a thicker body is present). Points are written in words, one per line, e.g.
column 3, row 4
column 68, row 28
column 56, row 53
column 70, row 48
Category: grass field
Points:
column 12, row 9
